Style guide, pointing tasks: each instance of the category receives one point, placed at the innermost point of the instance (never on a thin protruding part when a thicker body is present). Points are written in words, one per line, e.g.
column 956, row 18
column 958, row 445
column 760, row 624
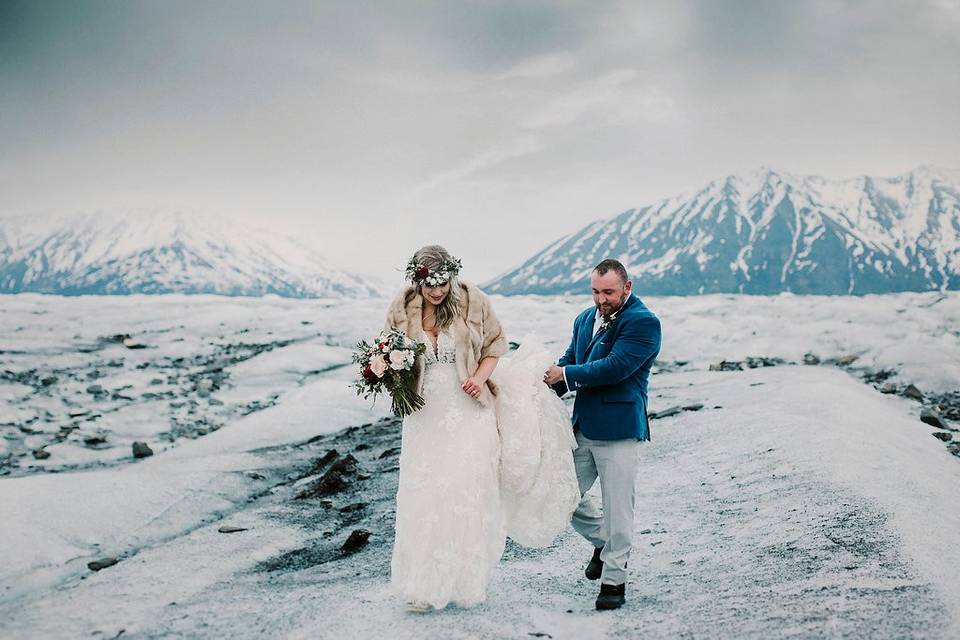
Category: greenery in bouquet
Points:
column 387, row 365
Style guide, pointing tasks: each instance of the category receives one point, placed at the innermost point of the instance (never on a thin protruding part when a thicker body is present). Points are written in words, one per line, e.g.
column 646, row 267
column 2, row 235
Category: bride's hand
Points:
column 472, row 388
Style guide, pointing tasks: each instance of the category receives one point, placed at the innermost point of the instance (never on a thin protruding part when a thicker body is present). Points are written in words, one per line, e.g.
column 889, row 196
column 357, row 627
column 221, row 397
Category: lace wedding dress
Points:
column 458, row 497
column 449, row 531
column 538, row 480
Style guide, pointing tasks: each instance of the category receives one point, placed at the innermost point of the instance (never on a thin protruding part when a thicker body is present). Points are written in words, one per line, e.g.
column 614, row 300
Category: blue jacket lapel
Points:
column 585, row 339
column 592, row 339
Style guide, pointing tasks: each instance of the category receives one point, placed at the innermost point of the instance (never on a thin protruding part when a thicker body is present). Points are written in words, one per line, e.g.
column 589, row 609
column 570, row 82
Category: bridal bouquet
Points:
column 387, row 365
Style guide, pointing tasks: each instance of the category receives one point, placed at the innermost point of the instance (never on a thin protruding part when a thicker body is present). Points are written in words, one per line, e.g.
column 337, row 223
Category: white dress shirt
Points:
column 597, row 321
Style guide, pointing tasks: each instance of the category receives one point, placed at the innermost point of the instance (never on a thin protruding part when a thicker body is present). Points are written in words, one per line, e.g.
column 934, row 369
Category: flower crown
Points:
column 420, row 273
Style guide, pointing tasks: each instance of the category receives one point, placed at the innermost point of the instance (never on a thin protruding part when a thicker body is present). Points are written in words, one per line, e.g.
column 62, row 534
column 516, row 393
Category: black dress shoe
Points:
column 595, row 566
column 611, row 596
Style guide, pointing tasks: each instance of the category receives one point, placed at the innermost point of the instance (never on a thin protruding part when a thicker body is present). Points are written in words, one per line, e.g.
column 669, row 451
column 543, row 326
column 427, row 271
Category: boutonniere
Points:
column 607, row 321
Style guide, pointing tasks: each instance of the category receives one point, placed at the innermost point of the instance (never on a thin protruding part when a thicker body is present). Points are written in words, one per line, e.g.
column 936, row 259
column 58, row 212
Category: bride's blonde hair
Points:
column 434, row 257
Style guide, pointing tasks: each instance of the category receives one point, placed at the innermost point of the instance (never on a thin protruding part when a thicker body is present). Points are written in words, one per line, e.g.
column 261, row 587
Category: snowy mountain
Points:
column 767, row 232
column 163, row 252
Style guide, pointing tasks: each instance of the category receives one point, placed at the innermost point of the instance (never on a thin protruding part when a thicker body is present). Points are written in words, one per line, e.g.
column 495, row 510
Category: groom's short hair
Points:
column 612, row 265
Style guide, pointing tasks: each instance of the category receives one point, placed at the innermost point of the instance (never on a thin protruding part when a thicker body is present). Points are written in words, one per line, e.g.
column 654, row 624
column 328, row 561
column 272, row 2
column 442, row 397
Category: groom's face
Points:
column 609, row 292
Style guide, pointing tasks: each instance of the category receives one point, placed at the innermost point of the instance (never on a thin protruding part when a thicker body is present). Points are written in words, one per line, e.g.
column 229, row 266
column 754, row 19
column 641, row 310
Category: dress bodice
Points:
column 446, row 352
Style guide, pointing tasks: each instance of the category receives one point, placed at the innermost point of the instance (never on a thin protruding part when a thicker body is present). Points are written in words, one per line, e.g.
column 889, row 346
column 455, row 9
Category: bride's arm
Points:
column 474, row 383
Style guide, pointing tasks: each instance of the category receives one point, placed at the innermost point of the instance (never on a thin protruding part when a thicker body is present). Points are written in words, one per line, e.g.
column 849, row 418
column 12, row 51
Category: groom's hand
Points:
column 553, row 375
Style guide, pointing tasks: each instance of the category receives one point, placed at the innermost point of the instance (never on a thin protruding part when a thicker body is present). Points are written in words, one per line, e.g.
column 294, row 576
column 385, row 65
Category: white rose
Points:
column 378, row 365
column 398, row 359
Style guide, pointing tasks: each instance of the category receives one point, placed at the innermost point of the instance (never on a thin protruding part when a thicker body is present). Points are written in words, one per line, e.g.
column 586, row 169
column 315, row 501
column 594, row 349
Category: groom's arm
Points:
column 637, row 342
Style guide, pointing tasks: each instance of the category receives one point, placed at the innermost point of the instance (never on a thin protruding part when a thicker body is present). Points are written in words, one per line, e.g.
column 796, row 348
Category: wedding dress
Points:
column 538, row 480
column 449, row 530
column 470, row 475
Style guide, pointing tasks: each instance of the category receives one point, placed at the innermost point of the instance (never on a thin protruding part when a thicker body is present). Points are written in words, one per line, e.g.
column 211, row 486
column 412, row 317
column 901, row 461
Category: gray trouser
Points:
column 616, row 463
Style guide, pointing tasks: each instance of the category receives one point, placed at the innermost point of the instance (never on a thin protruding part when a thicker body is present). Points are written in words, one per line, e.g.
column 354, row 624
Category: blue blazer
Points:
column 609, row 372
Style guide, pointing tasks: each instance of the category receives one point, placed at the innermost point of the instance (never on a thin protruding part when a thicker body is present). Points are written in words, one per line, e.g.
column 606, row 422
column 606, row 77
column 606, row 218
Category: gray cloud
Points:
column 489, row 126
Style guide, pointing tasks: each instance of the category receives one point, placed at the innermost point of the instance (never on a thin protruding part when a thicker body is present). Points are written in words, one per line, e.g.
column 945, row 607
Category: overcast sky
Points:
column 372, row 128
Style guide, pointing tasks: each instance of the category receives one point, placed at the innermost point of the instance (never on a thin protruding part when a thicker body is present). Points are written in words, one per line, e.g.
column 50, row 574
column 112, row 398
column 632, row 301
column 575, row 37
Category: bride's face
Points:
column 436, row 295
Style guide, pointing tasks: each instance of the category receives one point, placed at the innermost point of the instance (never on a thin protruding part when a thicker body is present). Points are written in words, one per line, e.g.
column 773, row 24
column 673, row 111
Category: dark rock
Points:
column 363, row 446
column 879, row 376
column 726, row 365
column 810, row 358
column 693, row 407
column 49, row 380
column 392, row 451
column 356, row 506
column 78, row 413
column 755, row 362
column 888, row 387
column 323, row 462
column 334, row 480
column 942, row 435
column 103, row 563
column 131, row 343
column 141, row 450
column 931, row 416
column 363, row 476
column 357, row 540
column 41, row 454
column 94, row 440
column 231, row 529
column 255, row 476
column 666, row 413
column 912, row 392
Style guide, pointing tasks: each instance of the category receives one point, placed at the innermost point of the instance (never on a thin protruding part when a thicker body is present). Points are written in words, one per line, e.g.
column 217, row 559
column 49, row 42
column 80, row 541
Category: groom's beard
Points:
column 608, row 310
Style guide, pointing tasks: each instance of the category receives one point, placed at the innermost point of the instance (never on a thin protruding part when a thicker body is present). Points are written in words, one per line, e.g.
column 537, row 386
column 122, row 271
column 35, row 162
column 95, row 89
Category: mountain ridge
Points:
column 766, row 231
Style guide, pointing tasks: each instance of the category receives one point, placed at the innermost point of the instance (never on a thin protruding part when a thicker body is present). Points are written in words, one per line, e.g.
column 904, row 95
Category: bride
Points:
column 484, row 458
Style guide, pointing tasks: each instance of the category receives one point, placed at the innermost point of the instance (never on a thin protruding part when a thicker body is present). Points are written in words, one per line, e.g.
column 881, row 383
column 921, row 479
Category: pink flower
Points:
column 378, row 365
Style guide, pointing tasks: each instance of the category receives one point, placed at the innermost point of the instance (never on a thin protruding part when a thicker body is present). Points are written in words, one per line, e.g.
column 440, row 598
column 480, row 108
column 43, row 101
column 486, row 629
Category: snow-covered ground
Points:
column 807, row 504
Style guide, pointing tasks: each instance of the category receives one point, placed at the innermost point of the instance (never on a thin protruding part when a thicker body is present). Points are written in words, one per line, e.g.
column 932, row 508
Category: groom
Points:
column 607, row 363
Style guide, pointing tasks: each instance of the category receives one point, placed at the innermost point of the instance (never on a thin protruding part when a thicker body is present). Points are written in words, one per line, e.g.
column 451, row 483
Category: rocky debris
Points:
column 103, row 563
column 141, row 450
column 811, row 359
column 954, row 448
column 876, row 377
column 231, row 529
column 323, row 462
column 357, row 540
column 392, row 451
column 666, row 413
column 726, row 365
column 942, row 435
column 41, row 454
column 931, row 416
column 888, row 387
column 913, row 392
column 335, row 480
column 755, row 362
column 95, row 440
column 351, row 508
column 847, row 359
